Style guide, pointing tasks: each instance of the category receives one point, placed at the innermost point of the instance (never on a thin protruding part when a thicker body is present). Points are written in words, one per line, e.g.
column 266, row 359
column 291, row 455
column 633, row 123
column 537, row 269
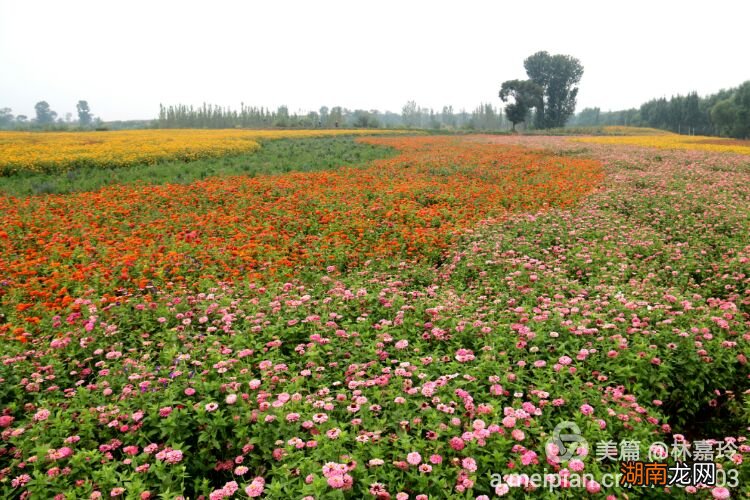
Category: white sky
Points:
column 126, row 57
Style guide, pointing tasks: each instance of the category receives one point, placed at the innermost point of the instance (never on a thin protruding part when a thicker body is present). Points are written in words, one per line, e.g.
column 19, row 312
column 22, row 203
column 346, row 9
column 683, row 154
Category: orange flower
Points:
column 122, row 239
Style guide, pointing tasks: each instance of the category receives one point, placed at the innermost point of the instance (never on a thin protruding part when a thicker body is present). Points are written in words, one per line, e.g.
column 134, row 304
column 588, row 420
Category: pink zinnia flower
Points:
column 576, row 465
column 255, row 489
column 469, row 464
column 720, row 492
column 593, row 487
column 173, row 456
column 414, row 458
column 457, row 443
column 528, row 457
column 41, row 415
column 320, row 418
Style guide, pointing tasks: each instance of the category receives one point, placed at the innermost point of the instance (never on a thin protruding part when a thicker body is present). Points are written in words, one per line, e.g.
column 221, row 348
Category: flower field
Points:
column 122, row 240
column 400, row 330
column 62, row 151
column 675, row 141
column 639, row 131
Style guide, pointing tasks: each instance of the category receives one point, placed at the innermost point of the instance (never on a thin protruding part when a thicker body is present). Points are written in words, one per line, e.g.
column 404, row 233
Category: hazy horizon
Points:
column 126, row 59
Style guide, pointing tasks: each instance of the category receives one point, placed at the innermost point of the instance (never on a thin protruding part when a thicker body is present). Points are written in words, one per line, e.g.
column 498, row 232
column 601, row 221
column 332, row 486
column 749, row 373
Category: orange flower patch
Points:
column 127, row 238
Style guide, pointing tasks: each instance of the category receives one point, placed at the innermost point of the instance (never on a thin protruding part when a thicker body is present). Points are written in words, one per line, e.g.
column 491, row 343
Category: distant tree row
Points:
column 484, row 117
column 46, row 118
column 725, row 113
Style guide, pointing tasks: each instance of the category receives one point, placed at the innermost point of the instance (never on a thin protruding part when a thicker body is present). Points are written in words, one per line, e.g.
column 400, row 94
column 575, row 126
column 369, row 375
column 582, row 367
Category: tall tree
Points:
column 324, row 116
column 44, row 115
column 724, row 116
column 410, row 114
column 558, row 76
column 84, row 113
column 693, row 117
column 6, row 117
column 282, row 117
column 336, row 116
column 447, row 116
column 742, row 101
column 526, row 95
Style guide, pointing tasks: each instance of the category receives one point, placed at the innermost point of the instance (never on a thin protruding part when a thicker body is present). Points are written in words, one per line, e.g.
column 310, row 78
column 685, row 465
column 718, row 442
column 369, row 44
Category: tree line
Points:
column 547, row 99
column 725, row 113
column 483, row 117
column 47, row 119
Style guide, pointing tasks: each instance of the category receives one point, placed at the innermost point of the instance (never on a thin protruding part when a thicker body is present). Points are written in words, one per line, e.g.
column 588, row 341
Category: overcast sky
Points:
column 126, row 57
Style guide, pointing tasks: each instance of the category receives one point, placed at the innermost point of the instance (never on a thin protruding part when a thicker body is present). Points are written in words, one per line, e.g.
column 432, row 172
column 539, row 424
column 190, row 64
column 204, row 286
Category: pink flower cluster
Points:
column 226, row 491
column 337, row 475
column 256, row 487
column 60, row 453
column 169, row 455
column 464, row 355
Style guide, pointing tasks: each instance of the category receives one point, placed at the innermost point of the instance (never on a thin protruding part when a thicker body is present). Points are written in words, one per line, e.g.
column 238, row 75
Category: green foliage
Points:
column 724, row 116
column 526, row 95
column 742, row 101
column 725, row 113
column 365, row 119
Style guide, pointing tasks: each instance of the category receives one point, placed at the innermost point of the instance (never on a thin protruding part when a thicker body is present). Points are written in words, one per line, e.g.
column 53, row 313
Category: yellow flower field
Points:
column 62, row 151
column 675, row 141
column 624, row 130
